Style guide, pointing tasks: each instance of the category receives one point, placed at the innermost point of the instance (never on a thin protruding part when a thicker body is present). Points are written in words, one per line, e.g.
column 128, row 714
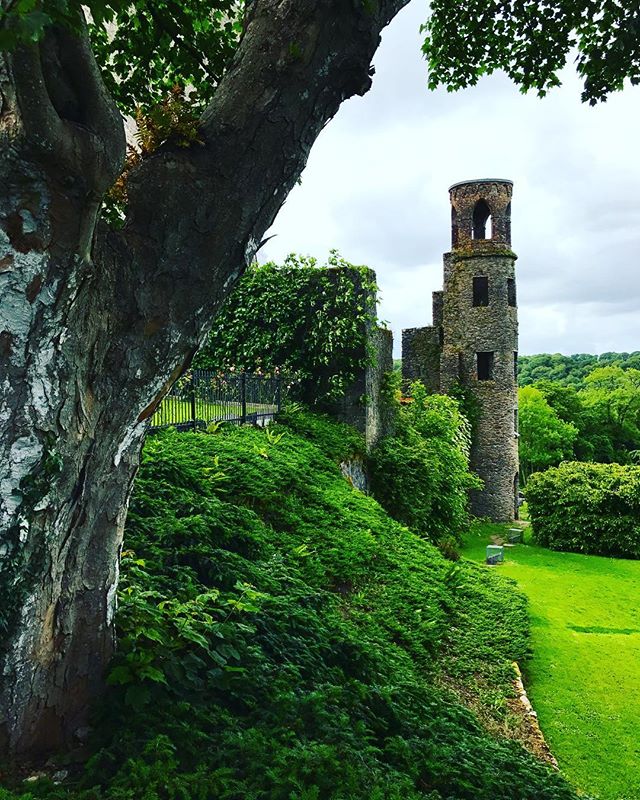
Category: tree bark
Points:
column 95, row 325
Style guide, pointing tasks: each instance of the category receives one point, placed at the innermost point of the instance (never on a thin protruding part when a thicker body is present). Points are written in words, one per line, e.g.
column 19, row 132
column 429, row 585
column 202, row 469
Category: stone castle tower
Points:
column 474, row 337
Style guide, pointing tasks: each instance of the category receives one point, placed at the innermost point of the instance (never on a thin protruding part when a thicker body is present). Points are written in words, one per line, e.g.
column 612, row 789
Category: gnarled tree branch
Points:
column 87, row 346
column 67, row 117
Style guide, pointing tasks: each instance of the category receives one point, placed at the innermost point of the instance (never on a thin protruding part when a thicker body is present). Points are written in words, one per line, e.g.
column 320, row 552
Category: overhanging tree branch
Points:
column 295, row 65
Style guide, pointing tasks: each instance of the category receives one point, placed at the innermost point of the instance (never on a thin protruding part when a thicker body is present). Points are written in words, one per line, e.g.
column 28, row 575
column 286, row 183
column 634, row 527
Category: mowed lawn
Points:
column 584, row 674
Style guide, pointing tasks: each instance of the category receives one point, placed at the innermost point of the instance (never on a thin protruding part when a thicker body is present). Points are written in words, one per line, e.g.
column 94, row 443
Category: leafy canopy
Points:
column 545, row 439
column 570, row 370
column 144, row 48
column 600, row 396
column 531, row 42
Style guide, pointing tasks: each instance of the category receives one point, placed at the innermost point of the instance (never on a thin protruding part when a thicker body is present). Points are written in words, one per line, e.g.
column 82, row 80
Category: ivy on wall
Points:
column 303, row 319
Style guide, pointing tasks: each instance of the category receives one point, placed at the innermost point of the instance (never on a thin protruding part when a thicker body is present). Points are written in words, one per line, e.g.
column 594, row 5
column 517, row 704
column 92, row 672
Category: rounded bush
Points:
column 587, row 508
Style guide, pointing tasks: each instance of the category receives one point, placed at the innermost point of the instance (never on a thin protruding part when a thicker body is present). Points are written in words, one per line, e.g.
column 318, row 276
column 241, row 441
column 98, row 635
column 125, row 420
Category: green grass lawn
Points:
column 584, row 676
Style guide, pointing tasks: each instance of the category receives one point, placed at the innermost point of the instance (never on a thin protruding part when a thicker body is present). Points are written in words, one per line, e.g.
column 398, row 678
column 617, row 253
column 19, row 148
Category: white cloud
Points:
column 376, row 188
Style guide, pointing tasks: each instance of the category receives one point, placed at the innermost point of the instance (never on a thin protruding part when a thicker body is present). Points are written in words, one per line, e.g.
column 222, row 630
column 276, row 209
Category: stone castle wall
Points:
column 363, row 404
column 378, row 414
column 494, row 454
column 421, row 357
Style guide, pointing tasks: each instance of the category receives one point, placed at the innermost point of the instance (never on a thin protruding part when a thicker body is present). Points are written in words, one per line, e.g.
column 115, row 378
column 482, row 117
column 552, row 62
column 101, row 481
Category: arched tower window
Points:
column 481, row 215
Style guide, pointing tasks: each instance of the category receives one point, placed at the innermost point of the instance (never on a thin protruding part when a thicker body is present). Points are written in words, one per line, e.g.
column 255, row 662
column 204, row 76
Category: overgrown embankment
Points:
column 282, row 638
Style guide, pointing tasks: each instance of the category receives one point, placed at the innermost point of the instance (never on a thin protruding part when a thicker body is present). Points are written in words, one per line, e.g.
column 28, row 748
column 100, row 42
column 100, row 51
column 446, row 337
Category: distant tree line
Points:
column 570, row 370
column 581, row 407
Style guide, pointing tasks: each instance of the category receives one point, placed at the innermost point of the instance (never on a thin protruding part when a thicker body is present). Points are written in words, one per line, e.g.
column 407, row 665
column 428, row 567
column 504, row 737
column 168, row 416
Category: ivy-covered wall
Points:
column 315, row 324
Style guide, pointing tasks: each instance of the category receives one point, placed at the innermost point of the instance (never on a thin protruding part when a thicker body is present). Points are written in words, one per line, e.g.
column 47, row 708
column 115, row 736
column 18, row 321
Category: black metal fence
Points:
column 207, row 397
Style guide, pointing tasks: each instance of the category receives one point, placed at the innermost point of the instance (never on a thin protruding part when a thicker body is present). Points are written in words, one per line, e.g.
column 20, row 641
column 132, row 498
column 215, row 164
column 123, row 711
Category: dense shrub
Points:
column 281, row 638
column 421, row 473
column 587, row 508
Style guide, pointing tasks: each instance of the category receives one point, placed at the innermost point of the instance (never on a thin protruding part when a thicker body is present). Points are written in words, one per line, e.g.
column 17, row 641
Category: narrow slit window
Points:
column 515, row 421
column 481, row 291
column 515, row 366
column 511, row 291
column 485, row 366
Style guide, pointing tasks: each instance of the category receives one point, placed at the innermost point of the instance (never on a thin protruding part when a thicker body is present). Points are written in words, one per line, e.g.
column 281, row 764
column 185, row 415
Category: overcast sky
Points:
column 376, row 187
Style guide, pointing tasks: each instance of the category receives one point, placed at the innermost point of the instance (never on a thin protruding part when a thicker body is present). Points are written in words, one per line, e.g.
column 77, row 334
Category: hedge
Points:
column 587, row 508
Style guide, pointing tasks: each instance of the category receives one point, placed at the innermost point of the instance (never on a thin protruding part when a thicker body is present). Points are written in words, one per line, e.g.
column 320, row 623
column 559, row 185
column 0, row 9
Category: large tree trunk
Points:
column 95, row 325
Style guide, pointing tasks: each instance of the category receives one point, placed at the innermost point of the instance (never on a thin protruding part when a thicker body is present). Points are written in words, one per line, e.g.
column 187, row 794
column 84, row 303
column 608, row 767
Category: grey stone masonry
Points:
column 363, row 404
column 421, row 357
column 476, row 328
column 421, row 349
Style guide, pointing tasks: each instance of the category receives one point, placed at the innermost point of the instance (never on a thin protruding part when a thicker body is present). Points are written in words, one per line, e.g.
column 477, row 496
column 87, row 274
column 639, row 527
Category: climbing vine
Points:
column 305, row 320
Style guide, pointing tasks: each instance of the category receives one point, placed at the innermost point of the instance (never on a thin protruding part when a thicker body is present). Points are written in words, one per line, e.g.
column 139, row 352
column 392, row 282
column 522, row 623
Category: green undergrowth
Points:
column 282, row 638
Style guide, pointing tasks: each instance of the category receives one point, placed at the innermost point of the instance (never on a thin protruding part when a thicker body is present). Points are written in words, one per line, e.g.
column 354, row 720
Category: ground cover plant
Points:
column 281, row 638
column 587, row 508
column 584, row 670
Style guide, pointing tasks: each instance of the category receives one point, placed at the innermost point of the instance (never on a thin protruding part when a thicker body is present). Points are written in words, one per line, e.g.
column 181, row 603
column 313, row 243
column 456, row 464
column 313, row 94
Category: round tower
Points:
column 480, row 336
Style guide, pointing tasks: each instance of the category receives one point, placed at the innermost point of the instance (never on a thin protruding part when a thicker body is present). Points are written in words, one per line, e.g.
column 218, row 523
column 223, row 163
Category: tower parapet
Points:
column 481, row 213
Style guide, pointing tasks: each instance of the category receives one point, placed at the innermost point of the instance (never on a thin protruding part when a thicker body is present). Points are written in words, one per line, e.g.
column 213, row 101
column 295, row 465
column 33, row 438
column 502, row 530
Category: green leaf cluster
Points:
column 307, row 321
column 532, row 41
column 598, row 395
column 587, row 508
column 281, row 638
column 421, row 474
column 570, row 370
column 143, row 48
column 545, row 438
